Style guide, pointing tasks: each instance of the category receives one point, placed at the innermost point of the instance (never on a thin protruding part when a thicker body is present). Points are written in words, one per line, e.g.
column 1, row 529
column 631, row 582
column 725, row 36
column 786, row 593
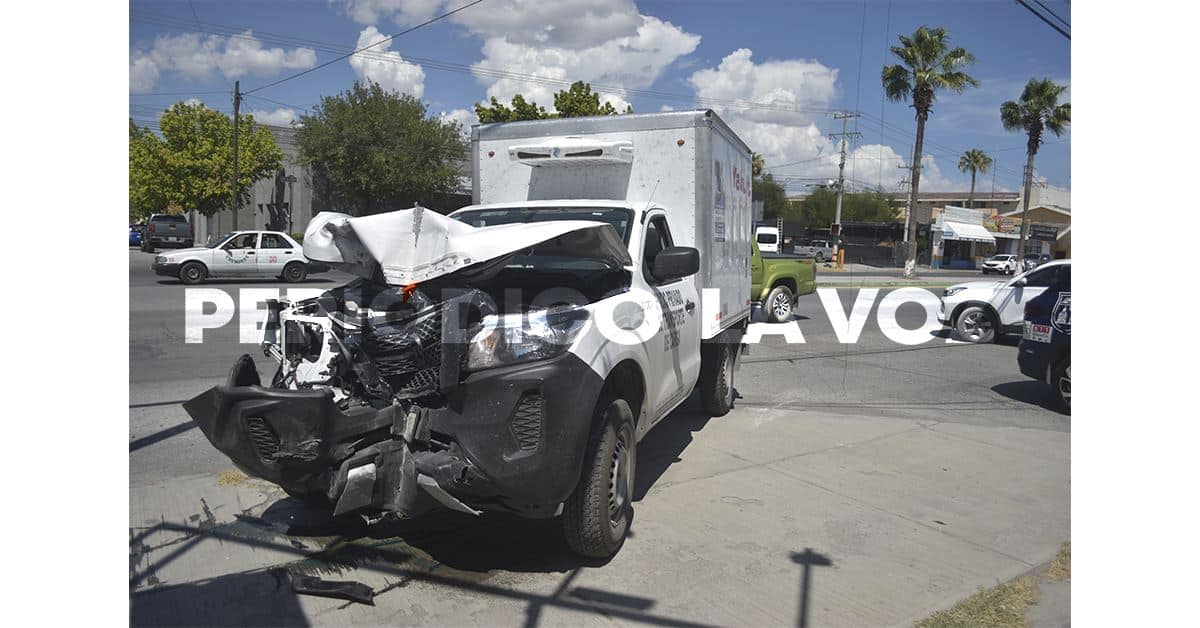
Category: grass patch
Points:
column 1060, row 567
column 1001, row 605
column 232, row 478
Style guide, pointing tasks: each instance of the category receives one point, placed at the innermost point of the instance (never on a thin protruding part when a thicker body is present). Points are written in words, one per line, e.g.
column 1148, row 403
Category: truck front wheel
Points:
column 779, row 304
column 716, row 377
column 596, row 516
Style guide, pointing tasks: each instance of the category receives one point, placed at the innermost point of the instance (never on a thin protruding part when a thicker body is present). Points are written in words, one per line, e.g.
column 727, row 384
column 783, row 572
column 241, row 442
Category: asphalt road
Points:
column 853, row 484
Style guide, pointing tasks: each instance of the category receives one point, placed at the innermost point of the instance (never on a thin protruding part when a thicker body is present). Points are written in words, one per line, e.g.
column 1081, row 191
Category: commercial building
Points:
column 287, row 200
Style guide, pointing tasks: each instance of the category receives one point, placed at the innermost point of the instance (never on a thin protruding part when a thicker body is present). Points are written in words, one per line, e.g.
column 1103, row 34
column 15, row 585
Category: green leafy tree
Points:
column 380, row 150
column 773, row 196
column 191, row 165
column 520, row 110
column 756, row 165
column 818, row 209
column 928, row 65
column 1036, row 111
column 974, row 160
column 579, row 100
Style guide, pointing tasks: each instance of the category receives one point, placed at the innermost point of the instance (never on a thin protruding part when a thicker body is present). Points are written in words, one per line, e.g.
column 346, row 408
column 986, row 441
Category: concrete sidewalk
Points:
column 768, row 516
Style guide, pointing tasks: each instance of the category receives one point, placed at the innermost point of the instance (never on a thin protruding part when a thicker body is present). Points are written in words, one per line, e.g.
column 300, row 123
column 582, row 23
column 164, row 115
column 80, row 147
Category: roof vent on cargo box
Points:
column 572, row 151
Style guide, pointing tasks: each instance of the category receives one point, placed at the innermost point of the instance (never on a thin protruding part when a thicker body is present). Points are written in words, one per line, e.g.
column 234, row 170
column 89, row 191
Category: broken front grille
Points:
column 408, row 355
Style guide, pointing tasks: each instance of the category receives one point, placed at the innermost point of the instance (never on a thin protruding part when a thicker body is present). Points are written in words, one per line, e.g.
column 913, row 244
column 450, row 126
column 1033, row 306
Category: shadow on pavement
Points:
column 264, row 596
column 240, row 599
column 807, row 560
column 661, row 447
column 1031, row 392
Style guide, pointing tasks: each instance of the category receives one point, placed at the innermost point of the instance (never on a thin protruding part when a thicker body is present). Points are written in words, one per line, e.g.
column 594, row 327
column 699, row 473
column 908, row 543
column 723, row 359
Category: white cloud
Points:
column 143, row 74
column 386, row 67
column 278, row 117
column 571, row 24
column 465, row 117
column 403, row 12
column 198, row 57
column 629, row 61
column 789, row 138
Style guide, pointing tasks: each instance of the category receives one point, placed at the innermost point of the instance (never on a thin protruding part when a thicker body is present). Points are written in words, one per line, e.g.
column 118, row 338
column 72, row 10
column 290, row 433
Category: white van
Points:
column 768, row 239
column 511, row 356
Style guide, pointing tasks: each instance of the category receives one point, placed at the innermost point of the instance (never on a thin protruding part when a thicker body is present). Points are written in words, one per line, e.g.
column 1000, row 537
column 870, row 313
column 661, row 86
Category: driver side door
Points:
column 1012, row 310
column 237, row 257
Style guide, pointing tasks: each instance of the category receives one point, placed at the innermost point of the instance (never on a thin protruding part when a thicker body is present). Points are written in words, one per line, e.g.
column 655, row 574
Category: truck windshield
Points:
column 619, row 217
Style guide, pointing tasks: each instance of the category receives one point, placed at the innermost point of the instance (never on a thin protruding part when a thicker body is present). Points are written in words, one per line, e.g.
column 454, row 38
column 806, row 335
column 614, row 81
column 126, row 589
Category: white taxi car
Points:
column 979, row 311
column 240, row 254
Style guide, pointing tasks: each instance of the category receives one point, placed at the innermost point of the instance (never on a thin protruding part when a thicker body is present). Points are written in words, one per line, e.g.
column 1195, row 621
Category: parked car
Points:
column 980, row 311
column 240, row 254
column 1001, row 263
column 776, row 279
column 819, row 250
column 166, row 231
column 1045, row 349
column 767, row 239
column 135, row 234
column 1033, row 260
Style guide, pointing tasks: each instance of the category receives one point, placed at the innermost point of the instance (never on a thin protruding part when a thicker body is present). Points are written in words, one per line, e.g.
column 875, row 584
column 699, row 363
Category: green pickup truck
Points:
column 776, row 279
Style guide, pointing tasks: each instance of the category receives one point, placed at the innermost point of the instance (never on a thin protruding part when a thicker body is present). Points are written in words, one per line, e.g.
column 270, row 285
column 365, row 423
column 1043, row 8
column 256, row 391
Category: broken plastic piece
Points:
column 344, row 589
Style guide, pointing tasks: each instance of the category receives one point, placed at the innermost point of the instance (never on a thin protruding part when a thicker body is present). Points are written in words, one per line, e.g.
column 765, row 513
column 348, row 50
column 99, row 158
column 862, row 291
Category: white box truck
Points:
column 511, row 356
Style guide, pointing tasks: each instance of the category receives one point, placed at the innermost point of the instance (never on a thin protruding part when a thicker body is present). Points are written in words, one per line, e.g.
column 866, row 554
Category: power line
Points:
column 352, row 53
column 475, row 70
column 1044, row 19
column 1065, row 23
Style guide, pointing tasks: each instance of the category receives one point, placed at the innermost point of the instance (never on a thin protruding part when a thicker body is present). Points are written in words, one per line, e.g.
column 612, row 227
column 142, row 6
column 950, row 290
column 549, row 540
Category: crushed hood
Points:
column 414, row 245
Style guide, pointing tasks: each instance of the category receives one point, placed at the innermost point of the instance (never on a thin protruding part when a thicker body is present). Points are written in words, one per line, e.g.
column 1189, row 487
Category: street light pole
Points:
column 237, row 101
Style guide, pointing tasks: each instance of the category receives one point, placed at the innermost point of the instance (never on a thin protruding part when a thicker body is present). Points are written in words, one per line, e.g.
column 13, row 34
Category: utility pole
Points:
column 237, row 103
column 836, row 232
column 907, row 181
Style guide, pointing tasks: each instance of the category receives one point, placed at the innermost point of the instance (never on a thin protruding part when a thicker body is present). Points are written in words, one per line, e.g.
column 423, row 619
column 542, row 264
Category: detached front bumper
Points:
column 508, row 439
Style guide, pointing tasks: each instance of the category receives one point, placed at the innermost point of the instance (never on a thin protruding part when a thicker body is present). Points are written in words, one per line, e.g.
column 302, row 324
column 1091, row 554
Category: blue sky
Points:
column 784, row 56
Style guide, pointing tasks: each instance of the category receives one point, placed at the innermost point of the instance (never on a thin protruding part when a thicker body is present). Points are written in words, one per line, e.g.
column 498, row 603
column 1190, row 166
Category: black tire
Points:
column 294, row 272
column 779, row 304
column 819, row 257
column 975, row 324
column 192, row 273
column 716, row 377
column 146, row 247
column 1060, row 379
column 596, row 516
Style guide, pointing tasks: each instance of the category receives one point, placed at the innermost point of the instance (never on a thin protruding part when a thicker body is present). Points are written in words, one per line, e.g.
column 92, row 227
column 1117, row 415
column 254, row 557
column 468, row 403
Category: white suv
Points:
column 1000, row 263
column 978, row 311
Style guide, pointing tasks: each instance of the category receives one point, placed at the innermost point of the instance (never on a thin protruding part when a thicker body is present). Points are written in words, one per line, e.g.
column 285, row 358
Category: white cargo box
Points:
column 688, row 162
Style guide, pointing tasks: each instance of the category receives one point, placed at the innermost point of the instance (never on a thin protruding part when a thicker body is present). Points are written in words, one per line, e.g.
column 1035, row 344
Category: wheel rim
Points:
column 727, row 377
column 294, row 273
column 192, row 273
column 618, row 485
column 1064, row 385
column 976, row 325
column 781, row 306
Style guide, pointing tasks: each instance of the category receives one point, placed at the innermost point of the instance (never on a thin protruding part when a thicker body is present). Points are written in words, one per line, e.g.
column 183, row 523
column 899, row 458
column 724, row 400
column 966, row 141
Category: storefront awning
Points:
column 967, row 232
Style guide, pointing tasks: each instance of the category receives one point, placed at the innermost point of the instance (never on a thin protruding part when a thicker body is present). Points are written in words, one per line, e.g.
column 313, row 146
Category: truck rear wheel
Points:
column 716, row 377
column 779, row 304
column 597, row 515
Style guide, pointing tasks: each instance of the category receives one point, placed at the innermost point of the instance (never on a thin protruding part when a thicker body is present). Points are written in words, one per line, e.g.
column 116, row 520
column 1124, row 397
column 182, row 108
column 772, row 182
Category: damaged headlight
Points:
column 505, row 340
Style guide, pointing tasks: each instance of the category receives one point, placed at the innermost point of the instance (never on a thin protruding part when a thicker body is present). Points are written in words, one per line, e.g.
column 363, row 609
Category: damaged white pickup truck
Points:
column 510, row 356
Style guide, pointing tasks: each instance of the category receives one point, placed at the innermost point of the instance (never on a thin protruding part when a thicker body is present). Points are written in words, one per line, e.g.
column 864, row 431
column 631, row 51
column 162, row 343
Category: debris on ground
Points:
column 341, row 589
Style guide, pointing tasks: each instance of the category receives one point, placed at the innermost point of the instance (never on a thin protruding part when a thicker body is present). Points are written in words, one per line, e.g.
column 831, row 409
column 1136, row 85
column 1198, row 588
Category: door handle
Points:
column 690, row 306
column 249, row 252
column 287, row 252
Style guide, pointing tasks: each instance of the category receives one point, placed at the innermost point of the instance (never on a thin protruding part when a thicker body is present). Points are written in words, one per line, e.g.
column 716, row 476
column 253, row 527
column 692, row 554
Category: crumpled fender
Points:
column 289, row 437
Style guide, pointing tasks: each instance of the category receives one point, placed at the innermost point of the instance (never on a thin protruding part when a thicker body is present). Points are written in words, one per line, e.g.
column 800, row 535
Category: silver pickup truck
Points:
column 819, row 250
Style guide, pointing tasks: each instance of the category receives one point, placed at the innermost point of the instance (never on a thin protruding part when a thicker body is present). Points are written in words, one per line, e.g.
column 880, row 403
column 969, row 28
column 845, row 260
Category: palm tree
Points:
column 1037, row 111
column 974, row 160
column 928, row 65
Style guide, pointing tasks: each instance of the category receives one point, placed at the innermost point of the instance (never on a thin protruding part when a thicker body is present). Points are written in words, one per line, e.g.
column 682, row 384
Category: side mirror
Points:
column 675, row 262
